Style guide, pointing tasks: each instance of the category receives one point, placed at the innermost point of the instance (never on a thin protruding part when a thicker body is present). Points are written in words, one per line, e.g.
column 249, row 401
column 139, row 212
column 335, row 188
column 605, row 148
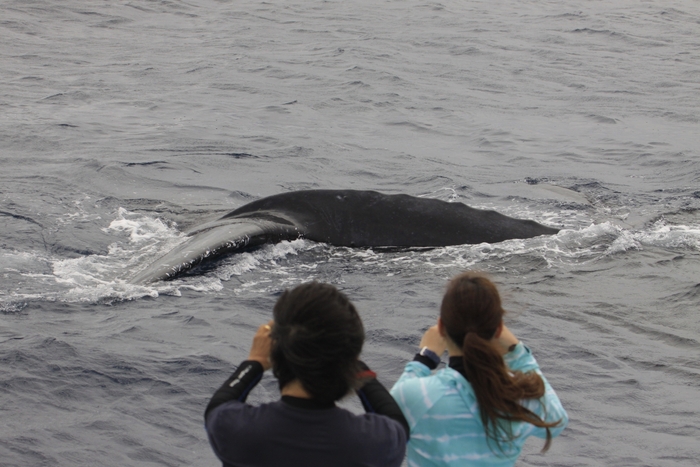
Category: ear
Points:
column 441, row 328
column 499, row 330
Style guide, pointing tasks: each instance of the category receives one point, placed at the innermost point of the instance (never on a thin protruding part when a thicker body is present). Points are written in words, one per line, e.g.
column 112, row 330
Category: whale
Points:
column 350, row 218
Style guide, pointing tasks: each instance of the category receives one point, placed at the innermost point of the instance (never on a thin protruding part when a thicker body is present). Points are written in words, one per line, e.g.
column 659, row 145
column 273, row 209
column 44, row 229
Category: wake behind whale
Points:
column 343, row 218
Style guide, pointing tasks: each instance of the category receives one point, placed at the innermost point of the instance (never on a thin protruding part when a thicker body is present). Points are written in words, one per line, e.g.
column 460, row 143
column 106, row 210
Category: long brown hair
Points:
column 471, row 314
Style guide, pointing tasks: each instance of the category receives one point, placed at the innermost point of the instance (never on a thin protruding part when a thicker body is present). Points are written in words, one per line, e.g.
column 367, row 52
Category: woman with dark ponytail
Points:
column 480, row 409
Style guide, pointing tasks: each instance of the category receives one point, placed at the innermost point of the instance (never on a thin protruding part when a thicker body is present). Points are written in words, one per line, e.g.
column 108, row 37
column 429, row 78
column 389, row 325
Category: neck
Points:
column 295, row 389
column 452, row 349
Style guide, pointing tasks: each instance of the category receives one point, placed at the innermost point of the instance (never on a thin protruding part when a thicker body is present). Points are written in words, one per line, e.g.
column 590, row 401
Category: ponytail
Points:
column 499, row 392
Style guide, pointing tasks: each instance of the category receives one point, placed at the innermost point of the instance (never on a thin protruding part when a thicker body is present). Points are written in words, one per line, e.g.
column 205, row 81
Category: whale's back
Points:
column 369, row 218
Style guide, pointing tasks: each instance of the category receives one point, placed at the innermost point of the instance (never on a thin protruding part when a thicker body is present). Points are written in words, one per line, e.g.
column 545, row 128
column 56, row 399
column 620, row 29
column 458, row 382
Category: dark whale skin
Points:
column 351, row 218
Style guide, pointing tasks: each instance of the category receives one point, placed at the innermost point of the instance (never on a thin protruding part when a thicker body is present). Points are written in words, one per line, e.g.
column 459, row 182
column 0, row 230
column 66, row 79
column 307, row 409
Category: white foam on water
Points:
column 568, row 247
column 447, row 193
column 140, row 227
column 20, row 262
column 104, row 278
column 267, row 256
column 80, row 215
column 29, row 275
column 666, row 235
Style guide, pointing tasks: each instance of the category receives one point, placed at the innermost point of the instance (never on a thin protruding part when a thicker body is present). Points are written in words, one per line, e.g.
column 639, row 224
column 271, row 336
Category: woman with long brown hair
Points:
column 481, row 408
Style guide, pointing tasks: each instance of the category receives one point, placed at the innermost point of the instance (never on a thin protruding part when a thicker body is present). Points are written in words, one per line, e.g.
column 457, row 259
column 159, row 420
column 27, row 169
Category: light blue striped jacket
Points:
column 446, row 427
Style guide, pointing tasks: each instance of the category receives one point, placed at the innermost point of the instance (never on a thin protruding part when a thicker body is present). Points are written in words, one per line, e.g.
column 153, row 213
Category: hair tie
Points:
column 366, row 374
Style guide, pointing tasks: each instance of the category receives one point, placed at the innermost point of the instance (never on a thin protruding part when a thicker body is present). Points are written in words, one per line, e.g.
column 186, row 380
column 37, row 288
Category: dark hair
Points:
column 317, row 338
column 471, row 314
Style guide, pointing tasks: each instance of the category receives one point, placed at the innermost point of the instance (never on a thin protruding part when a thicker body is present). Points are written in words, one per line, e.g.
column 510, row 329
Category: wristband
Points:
column 426, row 352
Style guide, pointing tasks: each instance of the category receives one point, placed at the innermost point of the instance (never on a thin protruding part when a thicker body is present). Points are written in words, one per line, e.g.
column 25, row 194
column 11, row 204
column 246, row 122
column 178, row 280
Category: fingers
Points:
column 262, row 345
column 267, row 328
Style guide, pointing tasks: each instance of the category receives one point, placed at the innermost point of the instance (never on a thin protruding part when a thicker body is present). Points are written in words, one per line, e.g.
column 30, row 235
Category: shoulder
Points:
column 455, row 388
column 233, row 416
column 418, row 396
column 374, row 425
column 433, row 385
column 409, row 388
column 521, row 359
column 370, row 438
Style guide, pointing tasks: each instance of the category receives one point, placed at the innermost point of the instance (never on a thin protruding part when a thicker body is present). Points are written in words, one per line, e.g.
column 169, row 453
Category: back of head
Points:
column 317, row 339
column 471, row 304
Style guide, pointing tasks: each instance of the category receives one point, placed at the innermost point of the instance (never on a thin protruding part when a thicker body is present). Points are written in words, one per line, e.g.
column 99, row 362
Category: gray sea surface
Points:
column 123, row 123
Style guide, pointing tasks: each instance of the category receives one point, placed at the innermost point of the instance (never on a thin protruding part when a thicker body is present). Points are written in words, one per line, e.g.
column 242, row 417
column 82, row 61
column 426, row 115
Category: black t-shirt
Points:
column 297, row 432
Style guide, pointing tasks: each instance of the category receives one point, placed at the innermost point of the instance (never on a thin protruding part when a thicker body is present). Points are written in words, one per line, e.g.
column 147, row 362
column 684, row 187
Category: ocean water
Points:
column 124, row 123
